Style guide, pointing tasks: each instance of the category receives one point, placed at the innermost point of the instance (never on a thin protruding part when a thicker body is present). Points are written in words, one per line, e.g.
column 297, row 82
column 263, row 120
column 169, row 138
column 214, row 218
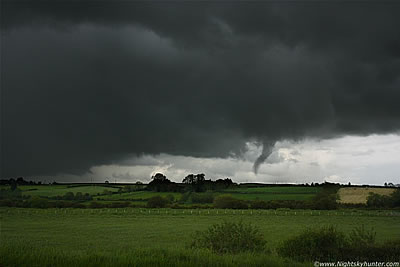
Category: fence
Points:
column 197, row 212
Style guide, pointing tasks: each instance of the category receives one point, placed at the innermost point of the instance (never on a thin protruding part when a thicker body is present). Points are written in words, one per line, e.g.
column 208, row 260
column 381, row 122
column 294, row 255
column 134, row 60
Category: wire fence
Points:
column 196, row 212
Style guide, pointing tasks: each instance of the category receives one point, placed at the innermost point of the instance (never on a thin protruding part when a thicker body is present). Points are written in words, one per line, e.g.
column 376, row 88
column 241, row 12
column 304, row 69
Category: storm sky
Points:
column 253, row 91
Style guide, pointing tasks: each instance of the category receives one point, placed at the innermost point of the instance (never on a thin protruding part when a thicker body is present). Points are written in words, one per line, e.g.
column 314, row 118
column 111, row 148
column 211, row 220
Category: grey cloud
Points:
column 93, row 83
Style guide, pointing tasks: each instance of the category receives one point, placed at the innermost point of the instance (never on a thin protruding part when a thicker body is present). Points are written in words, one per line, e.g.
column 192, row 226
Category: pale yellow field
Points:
column 358, row 195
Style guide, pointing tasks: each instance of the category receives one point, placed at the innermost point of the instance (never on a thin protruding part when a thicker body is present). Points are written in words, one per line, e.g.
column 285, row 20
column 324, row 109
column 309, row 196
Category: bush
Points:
column 360, row 237
column 326, row 199
column 185, row 197
column 202, row 198
column 170, row 198
column 119, row 204
column 39, row 203
column 69, row 196
column 259, row 204
column 327, row 244
column 327, row 202
column 96, row 205
column 318, row 244
column 379, row 201
column 228, row 202
column 362, row 247
column 230, row 237
column 157, row 202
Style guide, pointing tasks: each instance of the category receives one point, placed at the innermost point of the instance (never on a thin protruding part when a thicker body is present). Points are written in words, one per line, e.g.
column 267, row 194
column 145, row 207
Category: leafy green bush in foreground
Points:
column 328, row 244
column 230, row 237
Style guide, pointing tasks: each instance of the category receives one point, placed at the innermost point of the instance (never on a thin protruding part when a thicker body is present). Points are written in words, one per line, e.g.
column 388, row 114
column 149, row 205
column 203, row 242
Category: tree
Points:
column 159, row 183
column 78, row 196
column 159, row 177
column 69, row 196
column 196, row 181
column 189, row 179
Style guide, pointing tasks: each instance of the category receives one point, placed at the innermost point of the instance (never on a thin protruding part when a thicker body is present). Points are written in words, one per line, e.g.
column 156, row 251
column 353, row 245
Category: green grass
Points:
column 274, row 193
column 60, row 190
column 138, row 195
column 244, row 193
column 33, row 256
column 261, row 193
column 84, row 237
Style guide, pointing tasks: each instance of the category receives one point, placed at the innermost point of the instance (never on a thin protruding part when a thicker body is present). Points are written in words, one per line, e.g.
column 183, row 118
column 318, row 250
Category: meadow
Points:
column 159, row 237
column 59, row 190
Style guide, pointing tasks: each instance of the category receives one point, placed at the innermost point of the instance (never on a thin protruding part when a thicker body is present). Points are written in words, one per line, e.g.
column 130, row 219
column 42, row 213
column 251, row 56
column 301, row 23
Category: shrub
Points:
column 315, row 244
column 119, row 204
column 96, row 205
column 327, row 202
column 361, row 237
column 259, row 204
column 157, row 202
column 396, row 198
column 69, row 196
column 230, row 237
column 202, row 198
column 379, row 201
column 362, row 247
column 170, row 198
column 327, row 244
column 228, row 202
column 185, row 197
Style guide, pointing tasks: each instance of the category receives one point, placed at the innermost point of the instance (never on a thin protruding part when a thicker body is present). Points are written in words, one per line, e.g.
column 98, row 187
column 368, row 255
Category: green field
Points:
column 158, row 237
column 244, row 193
column 138, row 196
column 274, row 193
column 60, row 190
column 262, row 193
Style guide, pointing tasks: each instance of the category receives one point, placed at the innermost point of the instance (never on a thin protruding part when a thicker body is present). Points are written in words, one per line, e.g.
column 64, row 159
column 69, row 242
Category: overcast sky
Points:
column 258, row 92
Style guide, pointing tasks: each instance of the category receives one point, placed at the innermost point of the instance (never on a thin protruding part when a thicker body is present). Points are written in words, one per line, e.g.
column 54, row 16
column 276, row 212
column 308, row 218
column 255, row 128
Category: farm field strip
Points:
column 113, row 229
column 193, row 212
column 59, row 190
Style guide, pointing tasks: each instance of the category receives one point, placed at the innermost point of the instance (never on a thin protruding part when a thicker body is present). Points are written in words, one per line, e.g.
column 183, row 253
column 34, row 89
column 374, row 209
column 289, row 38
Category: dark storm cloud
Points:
column 91, row 83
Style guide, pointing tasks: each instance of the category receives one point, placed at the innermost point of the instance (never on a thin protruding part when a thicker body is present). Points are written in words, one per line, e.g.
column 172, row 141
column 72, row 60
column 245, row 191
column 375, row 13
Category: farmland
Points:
column 59, row 190
column 133, row 236
column 113, row 225
column 358, row 195
column 244, row 193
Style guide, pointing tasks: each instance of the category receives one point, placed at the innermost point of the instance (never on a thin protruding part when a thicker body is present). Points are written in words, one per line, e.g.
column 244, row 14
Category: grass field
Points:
column 138, row 195
column 60, row 190
column 274, row 193
column 157, row 237
column 358, row 195
column 263, row 193
column 260, row 193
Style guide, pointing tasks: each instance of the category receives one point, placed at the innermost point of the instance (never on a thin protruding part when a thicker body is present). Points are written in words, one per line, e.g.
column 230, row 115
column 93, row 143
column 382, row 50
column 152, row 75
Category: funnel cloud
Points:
column 268, row 146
